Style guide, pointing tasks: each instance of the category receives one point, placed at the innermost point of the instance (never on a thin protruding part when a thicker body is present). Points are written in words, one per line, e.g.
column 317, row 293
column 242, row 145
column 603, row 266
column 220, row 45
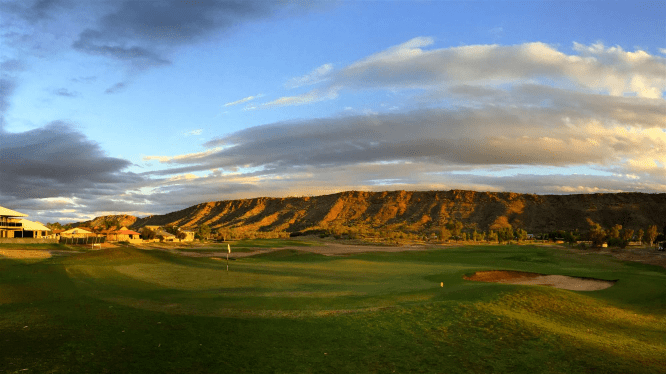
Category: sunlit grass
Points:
column 291, row 311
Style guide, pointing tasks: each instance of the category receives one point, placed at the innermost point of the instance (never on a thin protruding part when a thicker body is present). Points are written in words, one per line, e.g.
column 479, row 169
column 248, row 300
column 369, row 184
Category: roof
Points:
column 77, row 230
column 126, row 232
column 165, row 234
column 33, row 226
column 10, row 213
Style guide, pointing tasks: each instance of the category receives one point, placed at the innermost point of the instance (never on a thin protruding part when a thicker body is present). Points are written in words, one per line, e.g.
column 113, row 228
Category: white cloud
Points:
column 183, row 177
column 307, row 98
column 243, row 100
column 194, row 132
column 408, row 66
column 315, row 76
column 185, row 158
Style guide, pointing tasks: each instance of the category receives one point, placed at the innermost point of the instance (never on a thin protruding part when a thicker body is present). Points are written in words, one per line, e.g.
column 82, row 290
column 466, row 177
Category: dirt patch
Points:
column 24, row 254
column 558, row 281
column 644, row 255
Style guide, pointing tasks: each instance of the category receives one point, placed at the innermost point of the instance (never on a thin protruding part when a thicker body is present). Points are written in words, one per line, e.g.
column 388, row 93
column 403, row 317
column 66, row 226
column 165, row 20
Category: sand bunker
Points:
column 558, row 281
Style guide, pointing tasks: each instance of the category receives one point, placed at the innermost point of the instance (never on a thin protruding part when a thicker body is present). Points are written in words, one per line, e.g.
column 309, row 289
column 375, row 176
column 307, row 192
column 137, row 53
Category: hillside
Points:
column 422, row 211
column 109, row 221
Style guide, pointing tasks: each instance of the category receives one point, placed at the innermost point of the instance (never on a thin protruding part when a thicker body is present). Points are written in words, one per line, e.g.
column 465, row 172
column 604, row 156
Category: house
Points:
column 167, row 236
column 33, row 230
column 125, row 235
column 10, row 223
column 189, row 236
column 76, row 232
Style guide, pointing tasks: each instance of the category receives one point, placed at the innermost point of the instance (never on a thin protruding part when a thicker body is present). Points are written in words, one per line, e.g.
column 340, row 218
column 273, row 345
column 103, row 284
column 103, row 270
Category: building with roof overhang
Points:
column 12, row 226
column 33, row 230
column 10, row 222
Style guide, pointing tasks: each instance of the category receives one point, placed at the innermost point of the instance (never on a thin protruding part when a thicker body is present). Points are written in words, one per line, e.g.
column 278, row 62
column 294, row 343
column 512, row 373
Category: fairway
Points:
column 289, row 311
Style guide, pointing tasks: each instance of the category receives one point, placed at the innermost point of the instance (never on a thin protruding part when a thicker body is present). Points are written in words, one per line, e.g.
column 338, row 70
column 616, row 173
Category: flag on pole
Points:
column 228, row 249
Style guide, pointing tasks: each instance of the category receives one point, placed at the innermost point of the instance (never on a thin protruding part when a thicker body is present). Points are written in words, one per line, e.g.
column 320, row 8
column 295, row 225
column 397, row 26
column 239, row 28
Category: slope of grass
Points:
column 134, row 311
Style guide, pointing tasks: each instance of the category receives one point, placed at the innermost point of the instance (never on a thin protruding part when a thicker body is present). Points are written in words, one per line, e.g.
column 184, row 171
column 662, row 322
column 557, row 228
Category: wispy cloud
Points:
column 88, row 79
column 118, row 87
column 243, row 100
column 12, row 65
column 317, row 75
column 193, row 132
column 65, row 92
column 307, row 98
column 496, row 32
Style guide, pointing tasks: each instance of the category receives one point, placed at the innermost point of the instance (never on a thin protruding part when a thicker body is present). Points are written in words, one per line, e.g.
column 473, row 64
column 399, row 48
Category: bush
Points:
column 617, row 242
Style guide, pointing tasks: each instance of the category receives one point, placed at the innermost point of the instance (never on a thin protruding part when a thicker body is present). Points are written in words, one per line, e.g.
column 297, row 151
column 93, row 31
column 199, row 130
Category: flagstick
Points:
column 228, row 251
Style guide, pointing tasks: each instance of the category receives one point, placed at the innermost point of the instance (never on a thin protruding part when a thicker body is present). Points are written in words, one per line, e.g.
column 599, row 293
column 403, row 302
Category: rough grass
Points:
column 135, row 311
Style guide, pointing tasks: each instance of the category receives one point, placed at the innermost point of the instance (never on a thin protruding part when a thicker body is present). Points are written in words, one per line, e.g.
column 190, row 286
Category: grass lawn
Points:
column 127, row 310
column 246, row 245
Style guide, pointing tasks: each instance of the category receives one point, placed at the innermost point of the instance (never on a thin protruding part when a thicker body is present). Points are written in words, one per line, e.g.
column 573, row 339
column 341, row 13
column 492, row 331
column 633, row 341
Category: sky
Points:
column 148, row 107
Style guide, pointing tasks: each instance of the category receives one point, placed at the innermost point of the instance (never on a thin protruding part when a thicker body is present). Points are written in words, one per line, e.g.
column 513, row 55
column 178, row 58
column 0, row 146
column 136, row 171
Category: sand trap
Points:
column 557, row 281
column 23, row 254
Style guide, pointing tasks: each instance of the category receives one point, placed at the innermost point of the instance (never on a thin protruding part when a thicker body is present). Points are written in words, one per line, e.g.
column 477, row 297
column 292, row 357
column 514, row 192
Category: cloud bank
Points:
column 477, row 112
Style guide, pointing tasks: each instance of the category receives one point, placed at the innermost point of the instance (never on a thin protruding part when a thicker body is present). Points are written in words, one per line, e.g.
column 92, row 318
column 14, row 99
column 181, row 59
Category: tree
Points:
column 54, row 226
column 596, row 235
column 521, row 234
column 614, row 232
column 172, row 230
column 455, row 227
column 444, row 234
column 652, row 234
column 181, row 235
column 148, row 234
column 640, row 235
column 627, row 234
column 203, row 231
column 505, row 234
column 570, row 238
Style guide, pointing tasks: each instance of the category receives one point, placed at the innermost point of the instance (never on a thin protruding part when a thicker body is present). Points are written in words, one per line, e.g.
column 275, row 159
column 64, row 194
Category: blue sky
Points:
column 145, row 107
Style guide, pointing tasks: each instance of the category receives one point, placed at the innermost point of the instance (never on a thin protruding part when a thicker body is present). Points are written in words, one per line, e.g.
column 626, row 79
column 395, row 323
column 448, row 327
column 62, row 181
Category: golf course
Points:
column 290, row 310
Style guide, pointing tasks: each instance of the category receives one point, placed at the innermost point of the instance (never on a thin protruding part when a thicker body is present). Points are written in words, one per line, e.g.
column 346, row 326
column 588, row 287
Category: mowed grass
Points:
column 245, row 245
column 136, row 311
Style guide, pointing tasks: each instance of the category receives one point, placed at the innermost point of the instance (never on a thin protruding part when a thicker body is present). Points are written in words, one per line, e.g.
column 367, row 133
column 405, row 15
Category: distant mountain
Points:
column 420, row 211
column 108, row 221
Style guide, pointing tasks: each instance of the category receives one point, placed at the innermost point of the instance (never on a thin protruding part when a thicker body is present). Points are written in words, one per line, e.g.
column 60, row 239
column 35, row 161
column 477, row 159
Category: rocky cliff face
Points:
column 423, row 210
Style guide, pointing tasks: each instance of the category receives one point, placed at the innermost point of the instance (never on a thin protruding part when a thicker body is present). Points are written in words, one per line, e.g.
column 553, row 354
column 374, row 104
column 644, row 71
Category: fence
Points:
column 86, row 240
